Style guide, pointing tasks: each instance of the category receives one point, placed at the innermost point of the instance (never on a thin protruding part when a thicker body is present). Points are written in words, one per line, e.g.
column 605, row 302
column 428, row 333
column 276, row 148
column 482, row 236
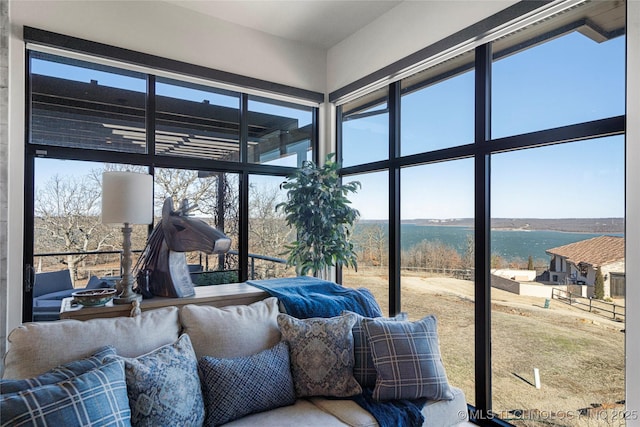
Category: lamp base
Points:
column 127, row 299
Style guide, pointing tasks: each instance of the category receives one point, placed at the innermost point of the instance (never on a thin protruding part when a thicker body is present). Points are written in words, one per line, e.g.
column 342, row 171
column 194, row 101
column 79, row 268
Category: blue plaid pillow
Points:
column 59, row 373
column 164, row 386
column 97, row 397
column 237, row 387
column 407, row 360
column 364, row 370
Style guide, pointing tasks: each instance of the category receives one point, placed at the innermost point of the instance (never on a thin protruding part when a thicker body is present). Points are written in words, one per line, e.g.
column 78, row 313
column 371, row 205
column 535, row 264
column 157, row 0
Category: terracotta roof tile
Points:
column 596, row 251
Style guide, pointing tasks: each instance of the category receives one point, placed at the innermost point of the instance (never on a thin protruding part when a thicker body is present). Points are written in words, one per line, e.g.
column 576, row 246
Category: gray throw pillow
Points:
column 407, row 360
column 364, row 370
column 240, row 386
column 321, row 351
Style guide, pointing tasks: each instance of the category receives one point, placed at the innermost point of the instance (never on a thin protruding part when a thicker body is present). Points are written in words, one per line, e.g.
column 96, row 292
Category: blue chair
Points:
column 52, row 287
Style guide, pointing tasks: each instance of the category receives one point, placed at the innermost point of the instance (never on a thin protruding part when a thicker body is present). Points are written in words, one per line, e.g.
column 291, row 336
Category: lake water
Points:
column 508, row 244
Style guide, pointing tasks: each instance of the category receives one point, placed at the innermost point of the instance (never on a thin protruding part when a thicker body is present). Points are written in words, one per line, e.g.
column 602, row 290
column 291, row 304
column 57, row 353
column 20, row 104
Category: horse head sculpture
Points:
column 164, row 257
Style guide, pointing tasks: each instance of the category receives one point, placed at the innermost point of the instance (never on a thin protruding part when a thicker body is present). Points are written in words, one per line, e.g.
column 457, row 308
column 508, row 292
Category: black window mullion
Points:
column 150, row 130
column 29, row 214
column 243, row 232
column 315, row 137
column 150, row 116
column 395, row 305
column 339, row 118
column 482, row 231
column 243, row 120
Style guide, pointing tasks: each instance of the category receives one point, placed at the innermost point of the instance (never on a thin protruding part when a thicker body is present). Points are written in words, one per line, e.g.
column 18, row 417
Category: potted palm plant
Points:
column 318, row 208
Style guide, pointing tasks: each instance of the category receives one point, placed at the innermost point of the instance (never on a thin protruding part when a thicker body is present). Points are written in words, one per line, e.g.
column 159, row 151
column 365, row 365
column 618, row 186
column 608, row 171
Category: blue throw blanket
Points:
column 405, row 413
column 305, row 297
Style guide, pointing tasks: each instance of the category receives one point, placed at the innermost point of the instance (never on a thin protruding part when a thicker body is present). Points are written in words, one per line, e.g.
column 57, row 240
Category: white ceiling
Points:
column 320, row 23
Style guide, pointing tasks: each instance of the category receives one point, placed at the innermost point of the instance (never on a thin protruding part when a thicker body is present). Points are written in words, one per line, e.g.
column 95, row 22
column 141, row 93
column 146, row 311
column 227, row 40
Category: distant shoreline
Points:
column 567, row 225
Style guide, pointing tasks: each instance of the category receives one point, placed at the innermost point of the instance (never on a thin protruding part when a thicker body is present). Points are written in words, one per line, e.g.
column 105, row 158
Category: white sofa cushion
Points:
column 446, row 413
column 233, row 331
column 437, row 413
column 36, row 347
column 302, row 413
column 346, row 410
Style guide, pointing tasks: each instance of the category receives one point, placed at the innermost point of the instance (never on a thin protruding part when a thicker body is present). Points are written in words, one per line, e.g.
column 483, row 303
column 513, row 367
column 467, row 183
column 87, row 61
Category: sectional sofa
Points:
column 239, row 366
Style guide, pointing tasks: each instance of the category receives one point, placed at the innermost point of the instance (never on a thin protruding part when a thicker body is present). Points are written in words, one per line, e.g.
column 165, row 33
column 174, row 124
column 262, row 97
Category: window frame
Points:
column 480, row 150
column 153, row 66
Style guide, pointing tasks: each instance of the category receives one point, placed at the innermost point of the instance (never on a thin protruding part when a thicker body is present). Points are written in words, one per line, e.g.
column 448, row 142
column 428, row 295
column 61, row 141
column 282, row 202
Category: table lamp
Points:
column 127, row 198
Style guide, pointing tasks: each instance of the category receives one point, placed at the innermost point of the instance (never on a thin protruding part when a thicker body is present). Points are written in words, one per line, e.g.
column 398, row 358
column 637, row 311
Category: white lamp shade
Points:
column 127, row 197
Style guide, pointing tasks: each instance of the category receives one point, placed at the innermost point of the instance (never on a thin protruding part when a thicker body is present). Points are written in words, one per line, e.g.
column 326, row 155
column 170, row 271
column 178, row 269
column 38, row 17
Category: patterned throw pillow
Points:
column 60, row 373
column 240, row 386
column 321, row 351
column 364, row 370
column 96, row 397
column 407, row 360
column 164, row 386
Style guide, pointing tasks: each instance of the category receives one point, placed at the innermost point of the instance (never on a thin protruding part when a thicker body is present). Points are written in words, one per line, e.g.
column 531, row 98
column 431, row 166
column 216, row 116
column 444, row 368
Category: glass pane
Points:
column 566, row 80
column 558, row 347
column 196, row 121
column 438, row 107
column 214, row 196
column 365, row 129
column 71, row 245
column 279, row 133
column 371, row 236
column 82, row 105
column 268, row 231
column 437, row 267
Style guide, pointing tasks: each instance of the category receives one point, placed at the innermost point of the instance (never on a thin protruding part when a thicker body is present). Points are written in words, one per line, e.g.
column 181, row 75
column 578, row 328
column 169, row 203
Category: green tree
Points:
column 318, row 208
column 530, row 263
column 598, row 291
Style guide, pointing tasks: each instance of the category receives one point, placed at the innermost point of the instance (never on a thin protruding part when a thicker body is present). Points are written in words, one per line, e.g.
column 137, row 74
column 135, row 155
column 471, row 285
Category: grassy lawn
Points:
column 580, row 356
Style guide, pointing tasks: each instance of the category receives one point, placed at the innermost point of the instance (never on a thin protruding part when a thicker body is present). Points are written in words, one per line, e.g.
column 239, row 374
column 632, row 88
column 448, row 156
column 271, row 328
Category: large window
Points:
column 371, row 237
column 437, row 107
column 504, row 169
column 365, row 129
column 437, row 258
column 223, row 151
column 547, row 319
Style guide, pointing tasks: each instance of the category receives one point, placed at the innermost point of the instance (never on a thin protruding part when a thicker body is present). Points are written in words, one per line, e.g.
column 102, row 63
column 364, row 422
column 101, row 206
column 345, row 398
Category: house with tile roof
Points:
column 576, row 264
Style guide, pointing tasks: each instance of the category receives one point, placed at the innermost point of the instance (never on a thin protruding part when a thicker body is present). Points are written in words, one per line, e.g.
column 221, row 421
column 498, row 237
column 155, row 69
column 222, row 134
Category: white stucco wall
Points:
column 169, row 31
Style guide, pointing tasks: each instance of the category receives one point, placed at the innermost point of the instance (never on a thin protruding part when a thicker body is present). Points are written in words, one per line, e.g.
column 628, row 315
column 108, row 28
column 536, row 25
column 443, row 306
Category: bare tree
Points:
column 433, row 256
column 67, row 212
column 372, row 242
column 181, row 184
column 268, row 231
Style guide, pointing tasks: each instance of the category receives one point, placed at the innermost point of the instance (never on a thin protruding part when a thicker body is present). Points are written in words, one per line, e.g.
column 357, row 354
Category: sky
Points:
column 569, row 80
